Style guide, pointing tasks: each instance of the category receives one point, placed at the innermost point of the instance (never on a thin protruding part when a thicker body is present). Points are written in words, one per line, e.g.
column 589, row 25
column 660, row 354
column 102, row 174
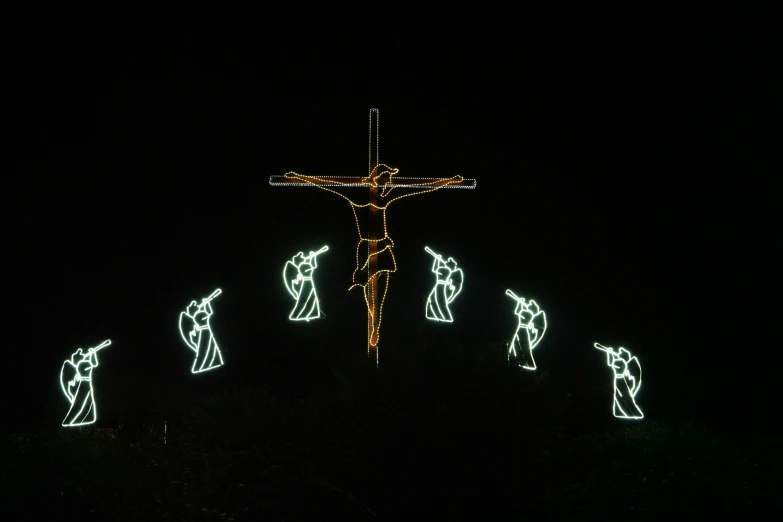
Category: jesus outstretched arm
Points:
column 430, row 186
column 328, row 184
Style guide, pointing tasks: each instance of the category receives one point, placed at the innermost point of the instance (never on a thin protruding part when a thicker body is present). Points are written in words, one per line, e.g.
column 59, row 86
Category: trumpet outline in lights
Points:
column 79, row 368
column 200, row 338
column 448, row 284
column 302, row 287
column 532, row 320
column 627, row 381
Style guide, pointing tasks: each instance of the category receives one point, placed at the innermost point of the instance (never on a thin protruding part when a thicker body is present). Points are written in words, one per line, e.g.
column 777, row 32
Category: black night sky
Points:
column 140, row 181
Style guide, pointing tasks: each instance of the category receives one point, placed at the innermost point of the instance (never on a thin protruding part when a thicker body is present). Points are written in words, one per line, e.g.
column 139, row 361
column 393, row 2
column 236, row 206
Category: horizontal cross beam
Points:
column 361, row 182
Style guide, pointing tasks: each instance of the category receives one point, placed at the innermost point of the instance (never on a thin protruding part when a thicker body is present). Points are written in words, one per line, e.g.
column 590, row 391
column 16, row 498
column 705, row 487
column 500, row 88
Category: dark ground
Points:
column 444, row 429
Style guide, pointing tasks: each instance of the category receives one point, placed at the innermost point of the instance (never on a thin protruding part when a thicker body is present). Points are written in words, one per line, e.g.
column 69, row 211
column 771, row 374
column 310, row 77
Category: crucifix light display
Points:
column 530, row 331
column 448, row 283
column 627, row 380
column 76, row 383
column 199, row 337
column 375, row 250
column 298, row 279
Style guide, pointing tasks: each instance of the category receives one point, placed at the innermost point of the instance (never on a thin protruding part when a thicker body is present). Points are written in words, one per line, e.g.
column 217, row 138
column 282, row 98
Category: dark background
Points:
column 140, row 181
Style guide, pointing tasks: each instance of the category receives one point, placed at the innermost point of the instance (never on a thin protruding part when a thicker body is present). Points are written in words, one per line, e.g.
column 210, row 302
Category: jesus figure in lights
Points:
column 375, row 252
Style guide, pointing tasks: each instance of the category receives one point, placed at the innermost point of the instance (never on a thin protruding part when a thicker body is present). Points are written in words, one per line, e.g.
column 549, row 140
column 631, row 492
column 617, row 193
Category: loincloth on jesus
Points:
column 384, row 257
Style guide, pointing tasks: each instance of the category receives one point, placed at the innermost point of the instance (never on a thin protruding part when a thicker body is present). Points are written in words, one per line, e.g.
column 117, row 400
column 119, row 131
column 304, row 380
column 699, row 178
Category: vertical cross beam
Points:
column 372, row 266
column 376, row 231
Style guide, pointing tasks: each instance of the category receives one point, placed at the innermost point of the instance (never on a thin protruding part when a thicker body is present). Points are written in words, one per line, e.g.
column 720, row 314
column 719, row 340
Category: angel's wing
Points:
column 186, row 321
column 67, row 376
column 635, row 370
column 290, row 279
column 457, row 279
column 537, row 328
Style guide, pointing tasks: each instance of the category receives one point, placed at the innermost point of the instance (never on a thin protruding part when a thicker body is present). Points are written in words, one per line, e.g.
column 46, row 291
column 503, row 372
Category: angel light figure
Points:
column 200, row 339
column 627, row 380
column 298, row 279
column 448, row 284
column 530, row 331
column 76, row 383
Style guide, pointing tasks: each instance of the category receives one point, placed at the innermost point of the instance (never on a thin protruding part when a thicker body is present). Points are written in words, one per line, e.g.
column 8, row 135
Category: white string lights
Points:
column 199, row 337
column 298, row 280
column 373, row 160
column 627, row 380
column 448, row 284
column 530, row 331
column 375, row 261
column 76, row 383
column 353, row 182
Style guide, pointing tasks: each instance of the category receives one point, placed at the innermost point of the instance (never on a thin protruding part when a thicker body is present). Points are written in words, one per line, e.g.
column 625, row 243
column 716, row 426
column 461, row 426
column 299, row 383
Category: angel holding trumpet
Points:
column 627, row 380
column 530, row 330
column 76, row 383
column 199, row 337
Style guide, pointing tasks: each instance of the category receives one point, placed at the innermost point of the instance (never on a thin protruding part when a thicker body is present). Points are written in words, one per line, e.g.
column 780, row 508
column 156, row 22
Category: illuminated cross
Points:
column 374, row 253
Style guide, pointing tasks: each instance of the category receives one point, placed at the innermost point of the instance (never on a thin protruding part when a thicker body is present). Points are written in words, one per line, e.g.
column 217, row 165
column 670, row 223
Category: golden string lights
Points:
column 380, row 246
column 375, row 258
